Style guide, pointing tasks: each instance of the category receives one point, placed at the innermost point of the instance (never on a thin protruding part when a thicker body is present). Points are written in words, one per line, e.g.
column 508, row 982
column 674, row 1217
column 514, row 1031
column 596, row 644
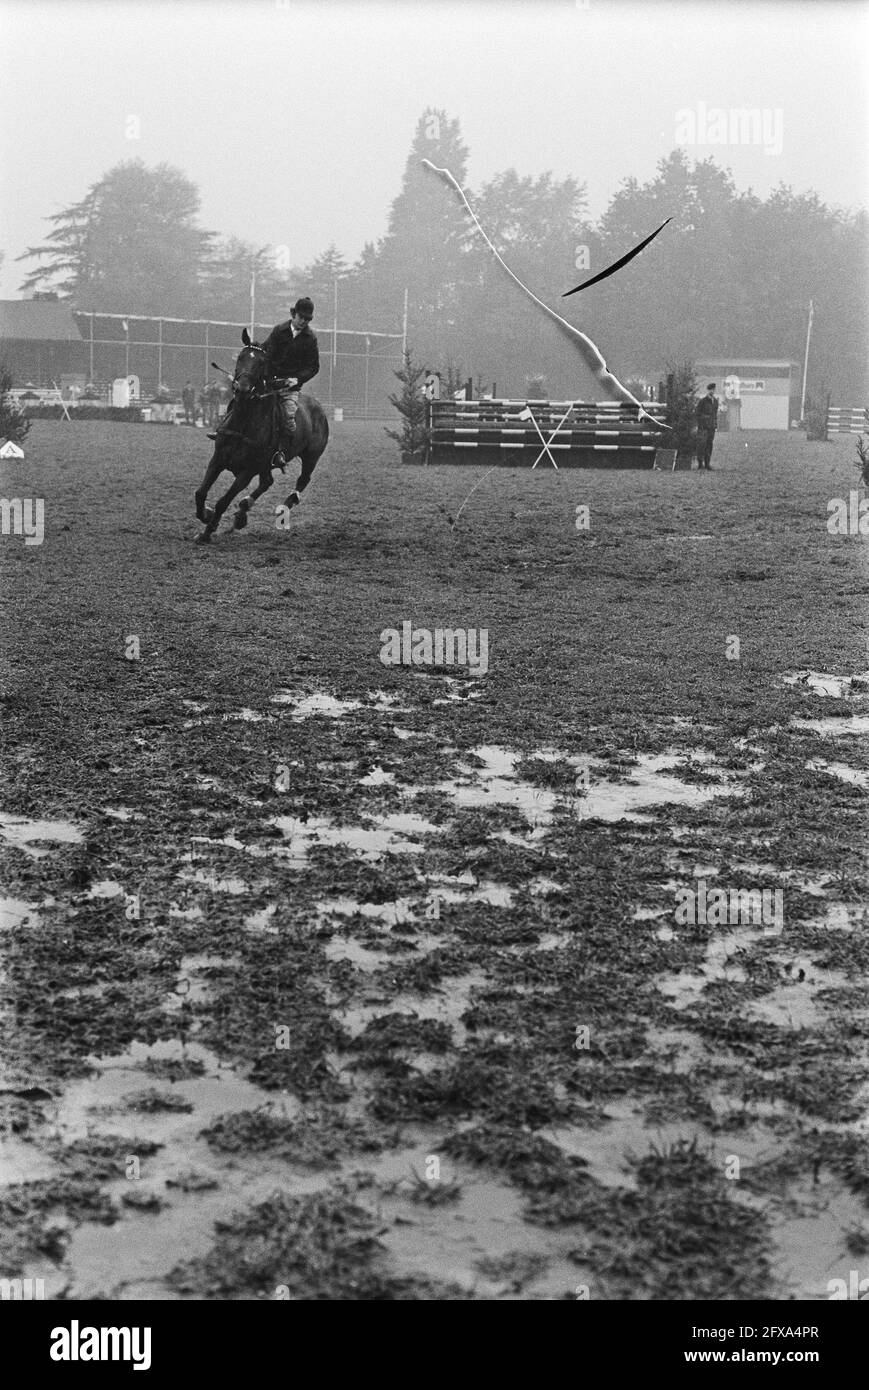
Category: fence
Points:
column 845, row 419
column 572, row 434
column 356, row 365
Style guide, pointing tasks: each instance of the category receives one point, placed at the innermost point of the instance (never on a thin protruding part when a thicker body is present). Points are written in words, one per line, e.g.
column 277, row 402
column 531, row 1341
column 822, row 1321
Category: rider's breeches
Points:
column 289, row 399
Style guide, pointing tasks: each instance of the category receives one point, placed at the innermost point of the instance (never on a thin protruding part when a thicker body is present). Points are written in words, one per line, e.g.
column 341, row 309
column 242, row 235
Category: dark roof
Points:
column 38, row 320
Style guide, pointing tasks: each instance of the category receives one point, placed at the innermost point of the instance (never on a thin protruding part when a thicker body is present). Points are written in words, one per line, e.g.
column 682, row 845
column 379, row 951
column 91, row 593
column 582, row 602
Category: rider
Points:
column 293, row 357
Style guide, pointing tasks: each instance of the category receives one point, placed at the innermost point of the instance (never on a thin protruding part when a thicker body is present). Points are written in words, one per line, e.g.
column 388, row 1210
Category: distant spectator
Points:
column 213, row 395
column 707, row 424
column 188, row 400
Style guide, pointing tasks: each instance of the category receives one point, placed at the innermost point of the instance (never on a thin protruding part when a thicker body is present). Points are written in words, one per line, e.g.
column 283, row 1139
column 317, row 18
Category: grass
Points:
column 602, row 644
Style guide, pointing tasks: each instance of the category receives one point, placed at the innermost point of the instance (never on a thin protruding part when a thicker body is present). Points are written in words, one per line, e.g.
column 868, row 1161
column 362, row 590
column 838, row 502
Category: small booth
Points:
column 125, row 390
column 755, row 393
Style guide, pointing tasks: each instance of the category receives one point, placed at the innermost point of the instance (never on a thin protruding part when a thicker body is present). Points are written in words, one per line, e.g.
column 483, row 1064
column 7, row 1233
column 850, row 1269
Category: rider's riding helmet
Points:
column 304, row 308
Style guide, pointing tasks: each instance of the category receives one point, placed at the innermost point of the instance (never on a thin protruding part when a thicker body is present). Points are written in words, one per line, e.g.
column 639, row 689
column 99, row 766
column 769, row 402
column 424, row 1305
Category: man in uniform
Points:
column 292, row 355
column 707, row 423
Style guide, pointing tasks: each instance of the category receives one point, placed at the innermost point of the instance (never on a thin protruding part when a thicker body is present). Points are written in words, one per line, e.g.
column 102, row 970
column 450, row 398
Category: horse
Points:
column 250, row 446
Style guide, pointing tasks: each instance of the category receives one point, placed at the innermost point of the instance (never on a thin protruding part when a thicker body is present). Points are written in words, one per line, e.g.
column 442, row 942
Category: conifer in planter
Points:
column 413, row 436
column 681, row 405
column 14, row 424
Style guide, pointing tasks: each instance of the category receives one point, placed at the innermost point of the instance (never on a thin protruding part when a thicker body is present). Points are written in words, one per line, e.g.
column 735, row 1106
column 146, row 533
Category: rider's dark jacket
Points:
column 296, row 356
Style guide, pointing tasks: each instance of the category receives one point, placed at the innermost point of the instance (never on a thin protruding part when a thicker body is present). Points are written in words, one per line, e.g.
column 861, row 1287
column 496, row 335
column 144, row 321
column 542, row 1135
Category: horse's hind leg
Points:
column 245, row 503
column 223, row 502
column 212, row 472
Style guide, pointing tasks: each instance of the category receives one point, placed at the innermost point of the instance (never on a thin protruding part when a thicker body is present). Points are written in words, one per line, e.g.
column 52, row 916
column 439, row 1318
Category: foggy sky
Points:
column 295, row 119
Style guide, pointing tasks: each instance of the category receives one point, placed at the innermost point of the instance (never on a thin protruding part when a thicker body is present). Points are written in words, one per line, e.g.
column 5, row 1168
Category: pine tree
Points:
column 130, row 245
column 14, row 424
column 411, row 406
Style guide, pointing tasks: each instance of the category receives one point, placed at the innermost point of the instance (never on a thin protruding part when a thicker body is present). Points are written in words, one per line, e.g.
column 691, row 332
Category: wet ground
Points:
column 325, row 979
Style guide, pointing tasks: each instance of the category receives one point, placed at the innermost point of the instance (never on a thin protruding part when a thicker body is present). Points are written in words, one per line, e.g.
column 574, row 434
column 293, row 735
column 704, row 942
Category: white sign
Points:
column 11, row 450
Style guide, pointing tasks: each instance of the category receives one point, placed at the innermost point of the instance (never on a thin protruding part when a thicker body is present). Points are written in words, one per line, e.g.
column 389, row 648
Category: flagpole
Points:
column 806, row 360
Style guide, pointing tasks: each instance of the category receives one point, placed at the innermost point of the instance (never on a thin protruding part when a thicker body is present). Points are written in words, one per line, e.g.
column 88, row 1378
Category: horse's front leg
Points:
column 212, row 472
column 223, row 502
column 245, row 504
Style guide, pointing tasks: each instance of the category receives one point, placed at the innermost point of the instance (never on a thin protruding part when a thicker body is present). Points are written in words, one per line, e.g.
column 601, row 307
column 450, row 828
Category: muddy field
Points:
column 331, row 979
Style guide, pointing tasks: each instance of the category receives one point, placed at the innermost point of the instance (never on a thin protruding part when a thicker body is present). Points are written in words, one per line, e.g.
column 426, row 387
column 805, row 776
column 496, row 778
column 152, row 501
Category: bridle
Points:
column 267, row 387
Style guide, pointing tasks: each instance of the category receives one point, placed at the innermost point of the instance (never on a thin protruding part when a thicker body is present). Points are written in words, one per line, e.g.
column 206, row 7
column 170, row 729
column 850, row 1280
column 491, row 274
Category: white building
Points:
column 758, row 393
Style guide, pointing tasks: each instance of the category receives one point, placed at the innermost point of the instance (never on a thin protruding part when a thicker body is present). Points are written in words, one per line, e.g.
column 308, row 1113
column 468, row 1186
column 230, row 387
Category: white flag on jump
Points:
column 525, row 414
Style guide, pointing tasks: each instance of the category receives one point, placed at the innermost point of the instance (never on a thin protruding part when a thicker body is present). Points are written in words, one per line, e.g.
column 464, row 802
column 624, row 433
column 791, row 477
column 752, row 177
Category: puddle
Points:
column 15, row 912
column 186, row 914
column 121, row 1260
column 414, row 909
column 332, row 708
column 820, row 683
column 262, row 921
column 836, row 725
column 721, row 962
column 809, row 1247
column 377, row 778
column 24, row 1162
column 345, row 948
column 438, row 1005
column 244, row 716
column 650, row 782
column 496, row 784
column 856, row 777
column 234, row 886
column 456, row 690
column 307, row 705
column 23, row 834
column 389, row 834
column 106, row 888
column 391, row 913
column 606, row 1149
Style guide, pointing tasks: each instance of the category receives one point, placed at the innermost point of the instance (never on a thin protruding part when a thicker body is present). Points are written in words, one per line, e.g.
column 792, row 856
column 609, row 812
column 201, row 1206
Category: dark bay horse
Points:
column 248, row 448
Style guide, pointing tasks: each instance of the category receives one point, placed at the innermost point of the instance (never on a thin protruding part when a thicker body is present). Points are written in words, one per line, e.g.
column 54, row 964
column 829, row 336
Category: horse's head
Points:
column 249, row 366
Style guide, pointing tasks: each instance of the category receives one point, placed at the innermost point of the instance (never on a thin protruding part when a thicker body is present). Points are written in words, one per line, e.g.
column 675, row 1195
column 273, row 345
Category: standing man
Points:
column 292, row 355
column 188, row 400
column 707, row 424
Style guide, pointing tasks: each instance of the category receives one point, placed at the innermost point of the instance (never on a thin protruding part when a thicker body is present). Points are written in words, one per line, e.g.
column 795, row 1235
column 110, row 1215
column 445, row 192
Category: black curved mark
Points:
column 617, row 265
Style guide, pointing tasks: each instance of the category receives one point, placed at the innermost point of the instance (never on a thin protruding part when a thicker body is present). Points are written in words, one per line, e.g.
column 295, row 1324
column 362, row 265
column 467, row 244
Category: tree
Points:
column 422, row 246
column 538, row 227
column 681, row 406
column 227, row 279
column 130, row 245
column 14, row 424
column 411, row 406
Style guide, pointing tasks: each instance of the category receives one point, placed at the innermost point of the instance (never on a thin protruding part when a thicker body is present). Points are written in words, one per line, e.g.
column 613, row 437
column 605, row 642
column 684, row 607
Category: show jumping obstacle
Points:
column 563, row 434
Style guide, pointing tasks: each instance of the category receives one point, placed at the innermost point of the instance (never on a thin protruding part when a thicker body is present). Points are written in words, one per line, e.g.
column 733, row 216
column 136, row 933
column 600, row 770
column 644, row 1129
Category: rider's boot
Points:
column 223, row 426
column 285, row 452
